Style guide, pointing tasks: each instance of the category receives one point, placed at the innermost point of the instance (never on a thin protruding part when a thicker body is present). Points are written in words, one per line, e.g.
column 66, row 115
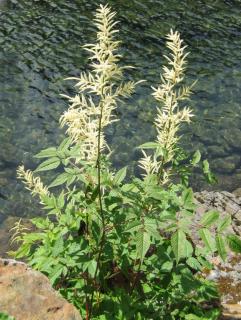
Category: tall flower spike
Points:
column 98, row 90
column 169, row 116
column 34, row 184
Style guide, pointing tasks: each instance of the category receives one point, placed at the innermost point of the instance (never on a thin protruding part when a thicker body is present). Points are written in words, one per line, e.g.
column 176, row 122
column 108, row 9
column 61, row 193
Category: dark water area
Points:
column 41, row 45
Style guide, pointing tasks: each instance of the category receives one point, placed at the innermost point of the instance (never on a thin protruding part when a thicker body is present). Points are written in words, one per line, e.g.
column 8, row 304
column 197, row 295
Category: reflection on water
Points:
column 40, row 46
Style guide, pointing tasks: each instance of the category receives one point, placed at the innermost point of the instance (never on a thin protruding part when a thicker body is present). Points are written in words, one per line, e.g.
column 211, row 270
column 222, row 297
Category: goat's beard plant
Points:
column 122, row 250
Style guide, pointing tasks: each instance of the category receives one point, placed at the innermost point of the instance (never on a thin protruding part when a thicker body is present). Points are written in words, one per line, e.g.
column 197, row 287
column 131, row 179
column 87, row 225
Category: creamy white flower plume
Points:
column 169, row 116
column 91, row 110
column 148, row 163
column 34, row 184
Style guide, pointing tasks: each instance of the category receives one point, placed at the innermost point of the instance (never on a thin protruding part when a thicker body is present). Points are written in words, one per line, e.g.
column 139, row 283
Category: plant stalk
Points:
column 102, row 241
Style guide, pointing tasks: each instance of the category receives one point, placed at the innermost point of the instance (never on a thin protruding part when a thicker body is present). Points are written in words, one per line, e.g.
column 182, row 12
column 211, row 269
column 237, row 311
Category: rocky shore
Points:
column 227, row 274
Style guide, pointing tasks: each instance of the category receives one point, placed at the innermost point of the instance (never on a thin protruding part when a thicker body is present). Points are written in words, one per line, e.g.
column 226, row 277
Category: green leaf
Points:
column 47, row 153
column 47, row 264
column 60, row 201
column 234, row 243
column 157, row 195
column 205, row 263
column 142, row 243
column 58, row 247
column 206, row 169
column 192, row 316
column 209, row 218
column 224, row 223
column 207, row 173
column 187, row 198
column 187, row 195
column 194, row 263
column 55, row 273
column 152, row 228
column 60, row 179
column 4, row 316
column 49, row 201
column 129, row 187
column 70, row 180
column 220, row 244
column 40, row 223
column 188, row 249
column 23, row 251
column 92, row 265
column 149, row 145
column 178, row 241
column 196, row 158
column 49, row 164
column 146, row 288
column 160, row 152
column 133, row 226
column 33, row 237
column 206, row 237
column 166, row 266
column 120, row 176
column 64, row 144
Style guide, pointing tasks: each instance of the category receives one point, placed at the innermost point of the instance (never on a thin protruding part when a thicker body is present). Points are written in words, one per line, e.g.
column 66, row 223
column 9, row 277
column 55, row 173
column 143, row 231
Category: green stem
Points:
column 143, row 214
column 168, row 124
column 102, row 241
column 160, row 173
column 136, row 278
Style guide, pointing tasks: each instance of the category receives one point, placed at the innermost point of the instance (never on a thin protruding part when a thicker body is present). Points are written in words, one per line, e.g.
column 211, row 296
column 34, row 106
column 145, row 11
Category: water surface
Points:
column 41, row 45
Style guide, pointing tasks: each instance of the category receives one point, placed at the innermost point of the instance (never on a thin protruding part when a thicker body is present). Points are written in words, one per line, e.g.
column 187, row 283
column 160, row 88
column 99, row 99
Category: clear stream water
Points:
column 41, row 45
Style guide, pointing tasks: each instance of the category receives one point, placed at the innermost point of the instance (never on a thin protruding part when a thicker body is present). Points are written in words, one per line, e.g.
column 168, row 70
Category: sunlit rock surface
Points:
column 231, row 312
column 27, row 294
column 227, row 274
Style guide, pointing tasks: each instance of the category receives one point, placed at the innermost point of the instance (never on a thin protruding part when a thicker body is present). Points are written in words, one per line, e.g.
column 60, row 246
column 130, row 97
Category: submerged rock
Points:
column 5, row 234
column 27, row 294
column 217, row 151
column 233, row 137
column 237, row 192
column 226, row 165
